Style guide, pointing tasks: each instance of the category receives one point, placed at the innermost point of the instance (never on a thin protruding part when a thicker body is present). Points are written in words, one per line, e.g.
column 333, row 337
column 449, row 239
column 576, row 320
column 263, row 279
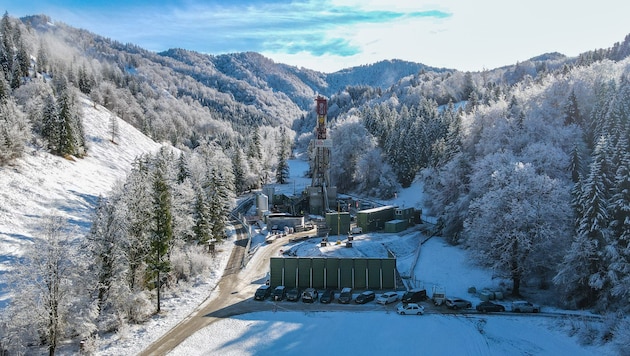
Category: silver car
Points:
column 458, row 303
column 522, row 306
column 387, row 297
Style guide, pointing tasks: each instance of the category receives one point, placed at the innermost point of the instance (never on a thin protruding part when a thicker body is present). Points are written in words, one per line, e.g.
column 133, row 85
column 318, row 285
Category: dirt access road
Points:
column 233, row 293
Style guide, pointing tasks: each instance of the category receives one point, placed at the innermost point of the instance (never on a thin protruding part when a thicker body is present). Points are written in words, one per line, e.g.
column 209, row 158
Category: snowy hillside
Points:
column 40, row 184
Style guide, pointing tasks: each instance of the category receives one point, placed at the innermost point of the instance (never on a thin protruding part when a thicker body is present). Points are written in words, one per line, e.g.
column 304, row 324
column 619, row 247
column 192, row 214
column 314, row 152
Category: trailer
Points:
column 438, row 295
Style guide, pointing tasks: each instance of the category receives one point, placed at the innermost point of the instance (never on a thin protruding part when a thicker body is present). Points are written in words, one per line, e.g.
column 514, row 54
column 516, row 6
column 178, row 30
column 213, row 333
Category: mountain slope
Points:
column 40, row 184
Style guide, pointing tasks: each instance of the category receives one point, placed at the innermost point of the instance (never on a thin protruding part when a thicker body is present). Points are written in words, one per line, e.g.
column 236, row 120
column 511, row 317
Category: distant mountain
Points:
column 382, row 74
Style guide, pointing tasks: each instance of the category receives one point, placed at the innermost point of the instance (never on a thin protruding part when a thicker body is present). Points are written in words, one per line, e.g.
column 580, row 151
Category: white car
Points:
column 522, row 306
column 410, row 308
column 387, row 297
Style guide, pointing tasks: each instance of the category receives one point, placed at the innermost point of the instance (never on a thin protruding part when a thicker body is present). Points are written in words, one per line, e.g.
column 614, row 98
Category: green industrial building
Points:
column 333, row 272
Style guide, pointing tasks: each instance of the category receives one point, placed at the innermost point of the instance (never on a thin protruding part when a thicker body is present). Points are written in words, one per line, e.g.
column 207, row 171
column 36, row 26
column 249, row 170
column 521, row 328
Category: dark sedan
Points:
column 365, row 297
column 328, row 296
column 486, row 307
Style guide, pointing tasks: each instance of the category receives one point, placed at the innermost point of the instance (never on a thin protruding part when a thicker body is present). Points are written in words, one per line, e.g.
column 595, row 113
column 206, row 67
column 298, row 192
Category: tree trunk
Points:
column 516, row 274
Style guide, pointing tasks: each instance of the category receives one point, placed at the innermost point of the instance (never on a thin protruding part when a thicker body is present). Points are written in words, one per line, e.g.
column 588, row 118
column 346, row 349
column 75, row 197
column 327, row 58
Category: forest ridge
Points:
column 526, row 165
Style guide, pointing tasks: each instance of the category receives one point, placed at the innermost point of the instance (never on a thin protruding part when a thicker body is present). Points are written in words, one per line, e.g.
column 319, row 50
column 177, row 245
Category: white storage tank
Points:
column 262, row 204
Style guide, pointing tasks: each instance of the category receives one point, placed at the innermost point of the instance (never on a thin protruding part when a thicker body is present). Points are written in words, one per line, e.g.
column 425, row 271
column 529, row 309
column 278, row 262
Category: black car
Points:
column 262, row 293
column 345, row 296
column 328, row 296
column 365, row 297
column 293, row 295
column 279, row 293
column 486, row 307
column 414, row 295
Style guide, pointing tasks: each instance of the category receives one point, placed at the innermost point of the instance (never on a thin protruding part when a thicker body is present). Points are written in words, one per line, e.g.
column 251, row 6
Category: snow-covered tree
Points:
column 14, row 130
column 583, row 272
column 52, row 301
column 519, row 224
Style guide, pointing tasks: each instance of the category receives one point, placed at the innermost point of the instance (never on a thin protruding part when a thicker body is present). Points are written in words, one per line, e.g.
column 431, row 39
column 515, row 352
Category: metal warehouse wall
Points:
column 321, row 272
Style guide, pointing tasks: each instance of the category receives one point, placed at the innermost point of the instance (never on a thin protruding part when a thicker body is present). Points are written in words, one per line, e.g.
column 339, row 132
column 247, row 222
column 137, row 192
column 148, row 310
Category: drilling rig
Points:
column 321, row 191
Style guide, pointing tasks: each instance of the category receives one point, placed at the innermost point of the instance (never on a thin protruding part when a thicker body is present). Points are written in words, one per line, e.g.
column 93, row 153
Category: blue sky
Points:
column 329, row 35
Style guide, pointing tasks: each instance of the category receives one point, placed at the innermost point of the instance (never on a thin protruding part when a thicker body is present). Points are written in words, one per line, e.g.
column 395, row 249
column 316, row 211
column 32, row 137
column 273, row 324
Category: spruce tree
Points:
column 161, row 232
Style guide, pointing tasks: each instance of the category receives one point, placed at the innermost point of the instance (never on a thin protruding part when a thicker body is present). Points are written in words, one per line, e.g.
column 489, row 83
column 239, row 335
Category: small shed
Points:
column 338, row 222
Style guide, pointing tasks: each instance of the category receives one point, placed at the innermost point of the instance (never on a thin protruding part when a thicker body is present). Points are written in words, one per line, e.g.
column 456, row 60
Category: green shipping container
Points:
column 319, row 272
column 290, row 272
column 374, row 273
column 360, row 273
column 304, row 272
column 388, row 266
column 339, row 223
column 346, row 272
column 332, row 273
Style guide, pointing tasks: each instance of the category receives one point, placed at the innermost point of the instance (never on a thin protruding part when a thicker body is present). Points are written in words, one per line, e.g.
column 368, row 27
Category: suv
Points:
column 522, row 306
column 414, row 295
column 365, row 297
column 345, row 296
column 262, row 292
column 457, row 303
column 279, row 293
column 310, row 295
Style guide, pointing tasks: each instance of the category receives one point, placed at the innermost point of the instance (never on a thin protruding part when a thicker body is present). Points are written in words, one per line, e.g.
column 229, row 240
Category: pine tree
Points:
column 572, row 113
column 161, row 230
column 202, row 228
column 583, row 272
column 139, row 208
column 619, row 251
column 239, row 172
column 282, row 169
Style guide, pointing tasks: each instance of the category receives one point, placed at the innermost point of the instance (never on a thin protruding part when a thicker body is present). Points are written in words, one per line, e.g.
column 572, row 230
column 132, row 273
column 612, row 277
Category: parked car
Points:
column 522, row 306
column 410, row 308
column 328, row 296
column 457, row 303
column 310, row 295
column 345, row 296
column 387, row 297
column 279, row 293
column 262, row 293
column 486, row 307
column 365, row 297
column 414, row 295
column 293, row 295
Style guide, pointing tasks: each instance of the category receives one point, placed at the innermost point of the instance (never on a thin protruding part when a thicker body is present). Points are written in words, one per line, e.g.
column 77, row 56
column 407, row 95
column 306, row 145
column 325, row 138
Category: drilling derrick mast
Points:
column 320, row 191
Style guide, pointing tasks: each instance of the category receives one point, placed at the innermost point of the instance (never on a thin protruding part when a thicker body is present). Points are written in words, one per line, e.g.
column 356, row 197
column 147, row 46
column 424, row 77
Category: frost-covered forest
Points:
column 526, row 165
